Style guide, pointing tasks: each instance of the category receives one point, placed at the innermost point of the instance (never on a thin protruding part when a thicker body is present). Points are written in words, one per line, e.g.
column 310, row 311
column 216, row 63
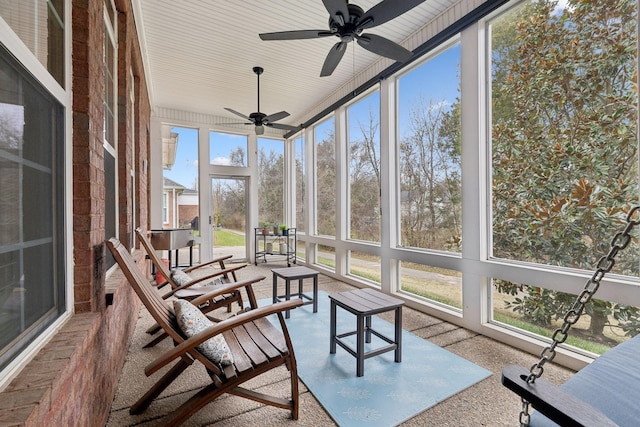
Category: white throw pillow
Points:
column 191, row 321
column 180, row 277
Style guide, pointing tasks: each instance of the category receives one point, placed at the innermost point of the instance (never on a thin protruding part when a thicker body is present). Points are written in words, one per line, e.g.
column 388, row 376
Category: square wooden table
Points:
column 295, row 273
column 364, row 303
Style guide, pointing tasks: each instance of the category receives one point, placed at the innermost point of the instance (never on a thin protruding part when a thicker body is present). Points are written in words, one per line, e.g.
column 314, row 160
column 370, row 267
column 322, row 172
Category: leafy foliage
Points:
column 364, row 176
column 326, row 179
column 270, row 184
column 564, row 145
column 430, row 171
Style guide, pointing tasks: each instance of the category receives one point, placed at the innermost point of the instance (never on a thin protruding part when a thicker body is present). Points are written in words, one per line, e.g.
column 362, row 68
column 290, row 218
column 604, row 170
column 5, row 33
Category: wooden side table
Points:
column 364, row 303
column 299, row 274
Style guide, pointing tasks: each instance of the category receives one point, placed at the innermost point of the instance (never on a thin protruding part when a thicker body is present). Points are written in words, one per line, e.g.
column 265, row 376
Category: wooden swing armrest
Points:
column 552, row 401
column 218, row 328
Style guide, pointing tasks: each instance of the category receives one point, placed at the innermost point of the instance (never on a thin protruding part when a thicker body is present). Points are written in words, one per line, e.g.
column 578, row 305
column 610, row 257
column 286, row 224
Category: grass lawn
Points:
column 222, row 238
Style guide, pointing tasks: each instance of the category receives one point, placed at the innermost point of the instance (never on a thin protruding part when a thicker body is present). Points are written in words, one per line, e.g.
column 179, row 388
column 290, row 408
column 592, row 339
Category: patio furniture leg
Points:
column 398, row 324
column 287, row 294
column 156, row 340
column 360, row 345
column 144, row 402
column 367, row 328
column 275, row 288
column 315, row 293
column 332, row 328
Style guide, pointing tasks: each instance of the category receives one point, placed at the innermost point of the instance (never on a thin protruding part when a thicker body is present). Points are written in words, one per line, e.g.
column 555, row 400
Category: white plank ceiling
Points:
column 199, row 54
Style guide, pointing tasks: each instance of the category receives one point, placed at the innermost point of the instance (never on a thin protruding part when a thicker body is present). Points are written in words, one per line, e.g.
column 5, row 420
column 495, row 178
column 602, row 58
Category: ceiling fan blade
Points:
column 338, row 10
column 238, row 114
column 296, row 35
column 385, row 11
column 275, row 116
column 233, row 123
column 384, row 47
column 282, row 126
column 333, row 58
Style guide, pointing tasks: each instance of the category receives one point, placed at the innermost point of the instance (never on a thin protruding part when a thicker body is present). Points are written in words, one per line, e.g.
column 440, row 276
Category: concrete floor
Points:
column 486, row 403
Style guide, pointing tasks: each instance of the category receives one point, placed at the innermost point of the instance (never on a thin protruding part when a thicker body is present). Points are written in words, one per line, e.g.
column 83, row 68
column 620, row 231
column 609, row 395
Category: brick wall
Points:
column 72, row 380
column 133, row 130
column 186, row 213
column 88, row 153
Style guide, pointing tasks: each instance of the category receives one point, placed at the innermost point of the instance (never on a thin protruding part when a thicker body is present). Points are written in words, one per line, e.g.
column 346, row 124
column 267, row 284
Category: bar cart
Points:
column 268, row 245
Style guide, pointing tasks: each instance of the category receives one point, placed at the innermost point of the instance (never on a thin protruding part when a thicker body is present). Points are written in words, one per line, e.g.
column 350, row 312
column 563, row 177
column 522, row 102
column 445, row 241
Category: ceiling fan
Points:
column 347, row 21
column 260, row 120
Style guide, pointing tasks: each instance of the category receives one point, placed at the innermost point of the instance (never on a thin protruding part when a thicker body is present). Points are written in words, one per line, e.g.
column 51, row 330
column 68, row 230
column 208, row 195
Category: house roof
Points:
column 168, row 183
column 190, row 192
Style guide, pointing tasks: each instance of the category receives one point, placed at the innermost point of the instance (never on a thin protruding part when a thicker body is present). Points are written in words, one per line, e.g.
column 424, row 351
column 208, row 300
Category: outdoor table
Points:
column 295, row 273
column 364, row 303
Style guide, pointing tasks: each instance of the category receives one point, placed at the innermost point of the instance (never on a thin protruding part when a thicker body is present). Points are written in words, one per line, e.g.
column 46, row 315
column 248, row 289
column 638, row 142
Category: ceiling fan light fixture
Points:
column 259, row 130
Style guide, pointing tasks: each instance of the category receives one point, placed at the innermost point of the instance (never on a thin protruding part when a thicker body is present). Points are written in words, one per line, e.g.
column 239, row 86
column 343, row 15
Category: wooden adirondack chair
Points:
column 256, row 345
column 202, row 286
column 186, row 291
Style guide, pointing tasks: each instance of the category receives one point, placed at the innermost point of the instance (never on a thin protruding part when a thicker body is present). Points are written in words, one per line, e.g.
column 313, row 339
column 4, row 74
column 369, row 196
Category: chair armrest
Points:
column 202, row 279
column 218, row 328
column 230, row 287
column 552, row 401
column 216, row 273
column 205, row 264
column 225, row 289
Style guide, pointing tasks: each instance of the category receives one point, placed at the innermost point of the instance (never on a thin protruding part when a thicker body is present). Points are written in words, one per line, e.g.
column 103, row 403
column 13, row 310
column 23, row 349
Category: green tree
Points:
column 564, row 143
column 365, row 181
column 326, row 179
column 301, row 188
column 450, row 145
column 228, row 196
column 236, row 157
column 430, row 176
column 270, row 186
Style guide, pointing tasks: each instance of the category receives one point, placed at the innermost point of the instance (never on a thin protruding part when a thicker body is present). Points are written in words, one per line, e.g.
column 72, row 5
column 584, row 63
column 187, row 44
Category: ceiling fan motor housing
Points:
column 348, row 29
column 257, row 117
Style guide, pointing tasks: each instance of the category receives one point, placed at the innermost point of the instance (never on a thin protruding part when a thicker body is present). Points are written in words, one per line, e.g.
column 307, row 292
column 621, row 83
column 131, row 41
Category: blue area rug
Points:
column 388, row 393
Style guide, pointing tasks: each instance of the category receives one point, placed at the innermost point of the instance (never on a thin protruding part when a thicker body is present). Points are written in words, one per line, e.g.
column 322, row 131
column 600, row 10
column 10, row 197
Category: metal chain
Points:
column 619, row 242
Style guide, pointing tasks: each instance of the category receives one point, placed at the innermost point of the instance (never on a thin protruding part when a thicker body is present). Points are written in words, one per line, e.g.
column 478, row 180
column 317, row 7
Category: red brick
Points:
column 82, row 307
column 82, row 293
column 75, row 374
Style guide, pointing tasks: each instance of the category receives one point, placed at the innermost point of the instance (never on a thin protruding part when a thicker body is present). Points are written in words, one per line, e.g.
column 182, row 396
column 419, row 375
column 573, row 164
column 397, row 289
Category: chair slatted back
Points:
column 153, row 255
column 159, row 309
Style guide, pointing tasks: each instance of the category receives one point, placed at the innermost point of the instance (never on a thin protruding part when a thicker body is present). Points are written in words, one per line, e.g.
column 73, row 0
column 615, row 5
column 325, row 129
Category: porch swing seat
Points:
column 603, row 393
